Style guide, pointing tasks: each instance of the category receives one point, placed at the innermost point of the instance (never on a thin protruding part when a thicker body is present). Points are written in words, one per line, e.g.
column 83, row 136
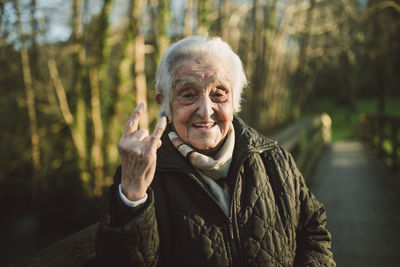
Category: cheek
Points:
column 225, row 112
column 180, row 114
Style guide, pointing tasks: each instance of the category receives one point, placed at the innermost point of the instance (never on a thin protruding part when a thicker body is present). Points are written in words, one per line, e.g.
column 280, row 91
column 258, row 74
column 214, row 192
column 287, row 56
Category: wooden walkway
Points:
column 362, row 199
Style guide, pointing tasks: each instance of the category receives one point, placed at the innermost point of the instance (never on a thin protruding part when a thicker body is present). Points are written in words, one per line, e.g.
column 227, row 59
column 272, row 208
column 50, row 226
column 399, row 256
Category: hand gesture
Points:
column 137, row 150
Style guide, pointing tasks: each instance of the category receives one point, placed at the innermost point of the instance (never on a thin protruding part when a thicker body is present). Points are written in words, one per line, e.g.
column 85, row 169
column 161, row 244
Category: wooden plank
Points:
column 75, row 250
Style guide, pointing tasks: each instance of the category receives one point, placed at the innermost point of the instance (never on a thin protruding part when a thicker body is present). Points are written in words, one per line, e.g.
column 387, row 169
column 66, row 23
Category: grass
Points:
column 345, row 122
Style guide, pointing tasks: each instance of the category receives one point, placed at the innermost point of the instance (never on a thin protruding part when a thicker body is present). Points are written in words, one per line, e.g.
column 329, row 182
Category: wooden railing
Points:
column 383, row 135
column 304, row 139
column 75, row 250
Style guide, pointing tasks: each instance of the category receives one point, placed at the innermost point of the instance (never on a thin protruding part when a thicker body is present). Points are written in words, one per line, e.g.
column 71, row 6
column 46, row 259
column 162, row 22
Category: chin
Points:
column 205, row 148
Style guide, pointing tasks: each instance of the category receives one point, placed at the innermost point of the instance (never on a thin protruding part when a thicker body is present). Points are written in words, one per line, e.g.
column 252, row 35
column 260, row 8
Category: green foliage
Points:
column 345, row 121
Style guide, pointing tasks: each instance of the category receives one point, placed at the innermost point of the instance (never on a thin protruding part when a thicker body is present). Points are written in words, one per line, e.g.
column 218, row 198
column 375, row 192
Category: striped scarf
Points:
column 214, row 167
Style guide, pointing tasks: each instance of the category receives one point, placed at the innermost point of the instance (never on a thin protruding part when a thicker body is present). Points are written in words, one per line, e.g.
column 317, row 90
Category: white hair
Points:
column 197, row 48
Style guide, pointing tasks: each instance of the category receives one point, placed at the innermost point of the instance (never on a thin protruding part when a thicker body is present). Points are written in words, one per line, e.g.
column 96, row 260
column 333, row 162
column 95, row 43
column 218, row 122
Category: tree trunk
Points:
column 258, row 63
column 202, row 12
column 160, row 15
column 1, row 18
column 123, row 88
column 31, row 106
column 301, row 91
column 223, row 18
column 188, row 24
column 275, row 91
column 64, row 108
column 80, row 112
column 235, row 31
column 97, row 145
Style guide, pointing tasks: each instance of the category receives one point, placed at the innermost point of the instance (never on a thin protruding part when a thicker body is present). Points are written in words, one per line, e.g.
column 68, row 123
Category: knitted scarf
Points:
column 214, row 167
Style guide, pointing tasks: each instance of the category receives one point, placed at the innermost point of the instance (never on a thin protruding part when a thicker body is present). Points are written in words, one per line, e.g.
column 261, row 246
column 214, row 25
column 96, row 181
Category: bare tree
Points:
column 203, row 10
column 94, row 65
column 223, row 14
column 160, row 16
column 80, row 120
column 30, row 103
column 302, row 78
column 189, row 19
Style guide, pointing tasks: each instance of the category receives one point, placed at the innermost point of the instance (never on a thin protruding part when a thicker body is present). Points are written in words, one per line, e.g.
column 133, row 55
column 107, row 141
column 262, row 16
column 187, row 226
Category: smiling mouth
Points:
column 204, row 125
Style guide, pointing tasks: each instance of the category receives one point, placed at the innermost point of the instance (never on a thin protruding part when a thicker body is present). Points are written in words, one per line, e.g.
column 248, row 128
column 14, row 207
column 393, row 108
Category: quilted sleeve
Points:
column 127, row 236
column 312, row 238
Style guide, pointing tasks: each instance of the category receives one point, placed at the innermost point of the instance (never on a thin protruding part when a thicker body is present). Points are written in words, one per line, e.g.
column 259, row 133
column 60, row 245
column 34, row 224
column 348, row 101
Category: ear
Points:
column 159, row 98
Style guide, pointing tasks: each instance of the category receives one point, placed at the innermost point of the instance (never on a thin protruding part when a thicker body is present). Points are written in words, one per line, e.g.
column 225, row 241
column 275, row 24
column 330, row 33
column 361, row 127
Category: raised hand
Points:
column 137, row 150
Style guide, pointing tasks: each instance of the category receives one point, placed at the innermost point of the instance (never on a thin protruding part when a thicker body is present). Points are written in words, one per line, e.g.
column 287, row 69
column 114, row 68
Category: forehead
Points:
column 200, row 72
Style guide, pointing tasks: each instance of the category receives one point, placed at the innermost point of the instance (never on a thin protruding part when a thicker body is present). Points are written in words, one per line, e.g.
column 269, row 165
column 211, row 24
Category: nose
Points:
column 205, row 109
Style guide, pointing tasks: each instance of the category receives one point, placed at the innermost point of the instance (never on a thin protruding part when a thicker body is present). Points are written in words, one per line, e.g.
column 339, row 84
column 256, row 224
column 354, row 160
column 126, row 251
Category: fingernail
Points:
column 164, row 120
column 139, row 107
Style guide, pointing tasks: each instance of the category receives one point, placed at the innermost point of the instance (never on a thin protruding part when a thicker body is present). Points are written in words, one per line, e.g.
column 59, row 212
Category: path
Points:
column 363, row 205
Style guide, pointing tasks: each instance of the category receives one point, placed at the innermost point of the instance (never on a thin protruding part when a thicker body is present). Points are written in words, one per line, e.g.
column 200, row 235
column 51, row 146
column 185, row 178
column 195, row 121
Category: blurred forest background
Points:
column 71, row 73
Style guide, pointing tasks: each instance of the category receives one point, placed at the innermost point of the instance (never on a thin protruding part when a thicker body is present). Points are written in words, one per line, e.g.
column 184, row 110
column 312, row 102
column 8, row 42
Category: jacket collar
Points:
column 247, row 140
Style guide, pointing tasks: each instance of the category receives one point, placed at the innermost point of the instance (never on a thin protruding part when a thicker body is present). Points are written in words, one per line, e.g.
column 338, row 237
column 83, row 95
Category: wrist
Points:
column 128, row 202
column 132, row 194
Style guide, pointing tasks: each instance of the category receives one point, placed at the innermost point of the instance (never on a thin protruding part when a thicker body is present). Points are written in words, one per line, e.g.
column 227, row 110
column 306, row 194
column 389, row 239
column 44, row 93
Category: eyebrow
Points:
column 184, row 81
column 190, row 80
column 218, row 78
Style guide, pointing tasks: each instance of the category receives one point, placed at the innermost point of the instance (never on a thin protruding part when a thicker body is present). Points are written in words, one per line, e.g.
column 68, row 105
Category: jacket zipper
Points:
column 234, row 226
column 232, row 243
column 232, row 222
column 230, row 225
column 197, row 180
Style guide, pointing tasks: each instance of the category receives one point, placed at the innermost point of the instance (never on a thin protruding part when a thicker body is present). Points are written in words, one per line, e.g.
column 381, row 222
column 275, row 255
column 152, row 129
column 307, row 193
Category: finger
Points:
column 141, row 134
column 158, row 131
column 153, row 142
column 133, row 121
column 158, row 144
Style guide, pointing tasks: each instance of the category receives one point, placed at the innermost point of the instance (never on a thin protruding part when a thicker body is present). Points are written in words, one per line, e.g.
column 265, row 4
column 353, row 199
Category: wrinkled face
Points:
column 201, row 105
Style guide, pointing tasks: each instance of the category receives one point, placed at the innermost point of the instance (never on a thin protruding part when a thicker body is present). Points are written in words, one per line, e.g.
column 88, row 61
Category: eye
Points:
column 188, row 95
column 220, row 94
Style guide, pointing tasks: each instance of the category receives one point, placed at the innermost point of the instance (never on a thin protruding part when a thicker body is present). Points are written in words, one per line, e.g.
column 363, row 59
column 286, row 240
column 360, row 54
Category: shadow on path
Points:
column 362, row 199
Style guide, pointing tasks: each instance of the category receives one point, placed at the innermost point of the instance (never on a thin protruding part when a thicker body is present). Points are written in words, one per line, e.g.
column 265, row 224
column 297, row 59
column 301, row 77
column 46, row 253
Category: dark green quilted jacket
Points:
column 274, row 219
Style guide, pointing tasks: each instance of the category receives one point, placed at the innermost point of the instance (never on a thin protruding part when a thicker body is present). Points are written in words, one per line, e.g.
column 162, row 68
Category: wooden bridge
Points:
column 361, row 195
column 362, row 198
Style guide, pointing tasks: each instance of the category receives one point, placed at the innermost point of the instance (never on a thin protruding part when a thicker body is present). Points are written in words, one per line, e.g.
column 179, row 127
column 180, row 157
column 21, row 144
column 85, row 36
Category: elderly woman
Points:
column 205, row 189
